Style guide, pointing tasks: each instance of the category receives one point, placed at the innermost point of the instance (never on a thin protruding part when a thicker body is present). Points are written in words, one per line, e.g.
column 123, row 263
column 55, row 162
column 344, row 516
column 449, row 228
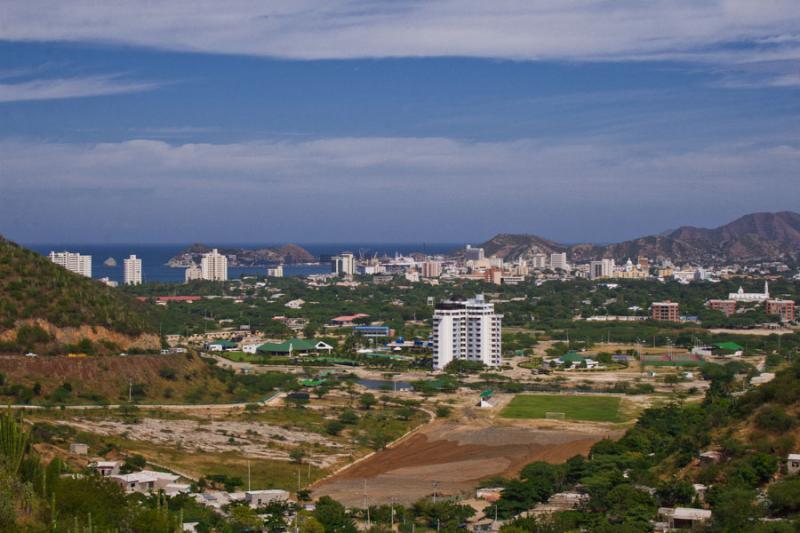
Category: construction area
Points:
column 450, row 458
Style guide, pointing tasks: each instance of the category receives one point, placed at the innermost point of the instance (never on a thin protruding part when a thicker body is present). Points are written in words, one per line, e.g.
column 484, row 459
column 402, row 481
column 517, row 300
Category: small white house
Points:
column 251, row 348
column 684, row 517
column 106, row 468
column 793, row 463
column 260, row 498
column 134, row 482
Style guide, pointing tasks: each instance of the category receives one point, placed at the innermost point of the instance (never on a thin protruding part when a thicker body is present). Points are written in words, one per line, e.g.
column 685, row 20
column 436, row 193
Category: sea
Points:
column 155, row 257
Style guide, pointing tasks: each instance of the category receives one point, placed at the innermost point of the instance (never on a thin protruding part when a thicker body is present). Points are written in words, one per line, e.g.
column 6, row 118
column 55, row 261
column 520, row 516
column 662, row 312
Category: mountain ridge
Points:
column 755, row 236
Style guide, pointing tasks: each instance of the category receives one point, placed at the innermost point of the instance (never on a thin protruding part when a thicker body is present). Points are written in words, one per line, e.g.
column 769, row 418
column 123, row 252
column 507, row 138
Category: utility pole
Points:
column 249, row 486
column 392, row 513
column 130, row 390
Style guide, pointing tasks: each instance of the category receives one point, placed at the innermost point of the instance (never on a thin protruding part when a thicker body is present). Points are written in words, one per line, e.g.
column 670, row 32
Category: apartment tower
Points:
column 469, row 330
column 132, row 274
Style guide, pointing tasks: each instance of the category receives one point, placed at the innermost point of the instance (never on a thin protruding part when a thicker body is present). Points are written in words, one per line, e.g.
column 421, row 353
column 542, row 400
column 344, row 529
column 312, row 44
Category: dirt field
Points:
column 249, row 439
column 454, row 456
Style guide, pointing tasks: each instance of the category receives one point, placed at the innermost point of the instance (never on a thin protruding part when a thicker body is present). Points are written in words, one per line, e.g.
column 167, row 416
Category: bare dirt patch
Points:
column 249, row 439
column 454, row 457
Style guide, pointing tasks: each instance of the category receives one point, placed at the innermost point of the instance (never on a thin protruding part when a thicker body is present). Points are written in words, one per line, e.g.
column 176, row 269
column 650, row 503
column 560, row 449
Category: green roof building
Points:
column 571, row 357
column 295, row 346
column 728, row 347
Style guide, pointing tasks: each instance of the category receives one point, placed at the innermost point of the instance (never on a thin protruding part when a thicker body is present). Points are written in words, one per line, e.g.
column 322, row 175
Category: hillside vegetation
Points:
column 35, row 294
column 657, row 464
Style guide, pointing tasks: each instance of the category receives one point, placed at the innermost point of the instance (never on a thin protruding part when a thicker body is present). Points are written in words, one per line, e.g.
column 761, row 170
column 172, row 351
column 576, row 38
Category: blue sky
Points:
column 312, row 121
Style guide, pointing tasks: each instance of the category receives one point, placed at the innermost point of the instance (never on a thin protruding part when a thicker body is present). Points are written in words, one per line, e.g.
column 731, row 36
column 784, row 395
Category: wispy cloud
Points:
column 76, row 87
column 440, row 188
column 342, row 29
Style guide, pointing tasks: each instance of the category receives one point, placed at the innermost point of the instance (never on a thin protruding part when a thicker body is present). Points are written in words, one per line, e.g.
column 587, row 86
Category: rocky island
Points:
column 246, row 257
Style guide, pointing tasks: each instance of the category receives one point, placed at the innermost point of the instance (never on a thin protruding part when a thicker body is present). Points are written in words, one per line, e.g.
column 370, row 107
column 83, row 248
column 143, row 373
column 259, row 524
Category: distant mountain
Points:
column 67, row 306
column 246, row 257
column 758, row 236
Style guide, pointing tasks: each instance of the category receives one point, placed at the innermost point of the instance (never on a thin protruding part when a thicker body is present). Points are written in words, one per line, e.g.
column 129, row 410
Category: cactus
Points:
column 13, row 441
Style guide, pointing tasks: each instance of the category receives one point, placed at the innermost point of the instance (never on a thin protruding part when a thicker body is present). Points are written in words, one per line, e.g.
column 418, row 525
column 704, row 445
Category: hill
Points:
column 757, row 236
column 246, row 257
column 726, row 454
column 45, row 305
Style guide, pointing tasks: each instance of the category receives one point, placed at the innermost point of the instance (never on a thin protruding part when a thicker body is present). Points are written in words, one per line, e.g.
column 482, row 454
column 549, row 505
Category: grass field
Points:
column 591, row 408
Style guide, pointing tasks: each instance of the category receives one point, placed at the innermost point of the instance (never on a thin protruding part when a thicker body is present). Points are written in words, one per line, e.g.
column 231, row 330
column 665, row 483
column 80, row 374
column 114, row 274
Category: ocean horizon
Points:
column 155, row 256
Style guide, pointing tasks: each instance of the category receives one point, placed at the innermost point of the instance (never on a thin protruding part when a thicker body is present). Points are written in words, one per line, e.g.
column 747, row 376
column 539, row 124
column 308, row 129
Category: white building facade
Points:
column 132, row 274
column 741, row 296
column 559, row 262
column 603, row 268
column 74, row 262
column 469, row 330
column 214, row 266
column 344, row 264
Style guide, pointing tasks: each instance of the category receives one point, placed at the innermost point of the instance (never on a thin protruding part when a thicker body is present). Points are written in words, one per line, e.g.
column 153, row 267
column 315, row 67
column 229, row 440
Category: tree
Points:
column 784, row 496
column 348, row 417
column 443, row 411
column 133, row 463
column 733, row 509
column 297, row 455
column 367, row 400
column 334, row 427
column 333, row 516
column 244, row 519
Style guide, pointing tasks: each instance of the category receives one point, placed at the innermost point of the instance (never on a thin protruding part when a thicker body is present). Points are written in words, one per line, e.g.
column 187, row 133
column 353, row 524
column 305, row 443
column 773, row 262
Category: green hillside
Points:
column 745, row 482
column 31, row 287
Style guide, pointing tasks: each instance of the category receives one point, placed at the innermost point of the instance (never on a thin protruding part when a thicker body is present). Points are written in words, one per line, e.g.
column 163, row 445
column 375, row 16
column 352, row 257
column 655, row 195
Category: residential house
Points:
column 684, row 517
column 793, row 463
column 260, row 498
column 106, row 468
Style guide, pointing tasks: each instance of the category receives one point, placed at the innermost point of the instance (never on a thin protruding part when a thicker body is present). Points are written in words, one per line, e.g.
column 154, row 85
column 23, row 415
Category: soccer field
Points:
column 592, row 408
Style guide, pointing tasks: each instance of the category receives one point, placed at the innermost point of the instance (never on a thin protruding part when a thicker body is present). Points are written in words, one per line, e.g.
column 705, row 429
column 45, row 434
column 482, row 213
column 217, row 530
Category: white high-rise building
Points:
column 80, row 264
column 559, row 262
column 132, row 274
column 539, row 261
column 344, row 264
column 214, row 266
column 275, row 272
column 473, row 254
column 603, row 268
column 468, row 330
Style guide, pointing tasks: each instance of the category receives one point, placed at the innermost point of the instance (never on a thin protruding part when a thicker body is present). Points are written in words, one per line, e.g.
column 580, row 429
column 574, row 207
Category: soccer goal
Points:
column 555, row 415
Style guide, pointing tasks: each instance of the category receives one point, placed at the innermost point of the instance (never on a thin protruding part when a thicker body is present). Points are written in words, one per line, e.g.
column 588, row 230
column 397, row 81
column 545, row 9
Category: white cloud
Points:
column 336, row 29
column 56, row 88
column 437, row 189
column 439, row 165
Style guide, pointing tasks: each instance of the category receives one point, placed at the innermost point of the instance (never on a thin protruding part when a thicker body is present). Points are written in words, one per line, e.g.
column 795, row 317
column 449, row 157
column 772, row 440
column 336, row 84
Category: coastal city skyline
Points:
column 399, row 266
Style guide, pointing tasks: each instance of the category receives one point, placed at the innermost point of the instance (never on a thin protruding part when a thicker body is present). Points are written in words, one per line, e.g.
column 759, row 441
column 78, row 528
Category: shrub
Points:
column 29, row 336
column 774, row 419
column 334, row 427
column 784, row 496
column 168, row 373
